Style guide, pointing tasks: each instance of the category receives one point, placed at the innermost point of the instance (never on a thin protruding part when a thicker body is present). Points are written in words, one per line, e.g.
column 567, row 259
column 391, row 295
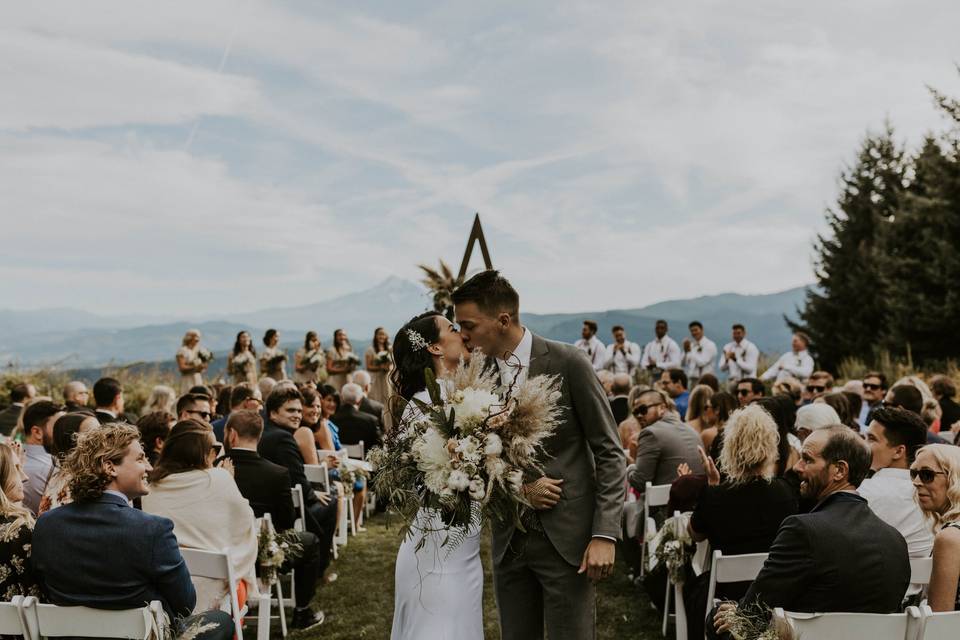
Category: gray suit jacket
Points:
column 584, row 452
column 661, row 447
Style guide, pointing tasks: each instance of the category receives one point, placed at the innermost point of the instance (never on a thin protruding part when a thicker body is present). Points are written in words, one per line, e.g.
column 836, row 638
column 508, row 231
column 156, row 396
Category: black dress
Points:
column 736, row 519
column 16, row 572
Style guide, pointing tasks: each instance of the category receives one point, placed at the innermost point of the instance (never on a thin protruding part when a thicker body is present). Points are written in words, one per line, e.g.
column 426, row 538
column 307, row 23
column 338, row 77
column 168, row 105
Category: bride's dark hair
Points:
column 407, row 376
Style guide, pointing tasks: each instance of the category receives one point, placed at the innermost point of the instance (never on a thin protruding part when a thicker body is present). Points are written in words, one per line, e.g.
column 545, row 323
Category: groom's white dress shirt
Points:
column 507, row 374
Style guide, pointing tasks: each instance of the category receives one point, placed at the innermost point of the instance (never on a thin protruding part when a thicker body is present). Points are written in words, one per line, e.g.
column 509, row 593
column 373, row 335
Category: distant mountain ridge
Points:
column 70, row 339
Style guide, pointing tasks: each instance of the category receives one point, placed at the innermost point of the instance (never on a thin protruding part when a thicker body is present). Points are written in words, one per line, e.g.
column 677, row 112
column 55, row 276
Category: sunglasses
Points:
column 744, row 392
column 814, row 389
column 926, row 475
column 641, row 409
column 871, row 387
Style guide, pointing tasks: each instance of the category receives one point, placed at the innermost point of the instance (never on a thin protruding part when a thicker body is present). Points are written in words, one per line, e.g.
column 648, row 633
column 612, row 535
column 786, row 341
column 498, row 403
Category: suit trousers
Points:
column 536, row 587
column 307, row 569
column 326, row 517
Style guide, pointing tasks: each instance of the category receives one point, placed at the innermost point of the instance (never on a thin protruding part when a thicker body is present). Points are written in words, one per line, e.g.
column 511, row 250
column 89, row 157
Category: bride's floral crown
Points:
column 416, row 340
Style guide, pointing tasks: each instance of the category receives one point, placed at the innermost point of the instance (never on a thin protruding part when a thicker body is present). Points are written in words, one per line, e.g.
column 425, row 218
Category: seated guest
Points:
column 38, row 420
column 790, row 387
column 205, row 506
column 266, row 385
column 931, row 415
column 162, row 398
column 243, row 396
column 711, row 381
column 267, row 487
column 16, row 530
column 936, row 477
column 629, row 427
column 355, row 426
column 619, row 403
column 894, row 437
column 874, row 389
column 368, row 405
column 908, row 394
column 854, row 401
column 154, row 429
column 330, row 399
column 194, row 406
column 100, row 552
column 664, row 443
column 818, row 384
column 724, row 404
column 944, row 391
column 221, row 401
column 700, row 411
column 108, row 398
column 75, row 395
column 284, row 411
column 674, row 382
column 841, row 405
column 838, row 557
column 748, row 390
column 811, row 417
column 65, row 431
column 742, row 513
column 20, row 394
column 784, row 414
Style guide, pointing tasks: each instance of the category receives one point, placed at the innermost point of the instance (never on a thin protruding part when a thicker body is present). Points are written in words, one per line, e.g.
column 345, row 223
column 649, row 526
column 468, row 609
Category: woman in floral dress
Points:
column 16, row 529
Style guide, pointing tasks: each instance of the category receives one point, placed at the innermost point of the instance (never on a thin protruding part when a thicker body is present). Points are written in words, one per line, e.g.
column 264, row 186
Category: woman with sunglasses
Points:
column 206, row 507
column 936, row 476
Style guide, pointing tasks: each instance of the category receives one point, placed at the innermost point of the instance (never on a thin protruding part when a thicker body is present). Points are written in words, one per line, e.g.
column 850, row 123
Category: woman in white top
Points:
column 438, row 589
column 273, row 360
column 189, row 363
column 206, row 507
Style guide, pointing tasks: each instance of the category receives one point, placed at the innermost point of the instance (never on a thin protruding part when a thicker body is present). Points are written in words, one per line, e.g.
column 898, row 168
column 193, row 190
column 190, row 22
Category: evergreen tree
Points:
column 848, row 313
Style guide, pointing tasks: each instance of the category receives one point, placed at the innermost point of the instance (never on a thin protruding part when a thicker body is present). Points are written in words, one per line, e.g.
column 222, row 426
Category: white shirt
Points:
column 744, row 363
column 522, row 351
column 663, row 353
column 698, row 362
column 796, row 365
column 596, row 352
column 890, row 495
column 622, row 361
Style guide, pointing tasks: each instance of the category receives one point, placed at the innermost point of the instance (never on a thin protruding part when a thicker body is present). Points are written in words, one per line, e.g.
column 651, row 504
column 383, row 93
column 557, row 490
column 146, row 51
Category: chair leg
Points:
column 263, row 617
column 353, row 522
column 666, row 608
column 280, row 608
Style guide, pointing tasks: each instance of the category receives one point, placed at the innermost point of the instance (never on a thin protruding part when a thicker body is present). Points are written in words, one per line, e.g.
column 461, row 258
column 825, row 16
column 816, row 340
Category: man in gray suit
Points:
column 544, row 576
column 664, row 442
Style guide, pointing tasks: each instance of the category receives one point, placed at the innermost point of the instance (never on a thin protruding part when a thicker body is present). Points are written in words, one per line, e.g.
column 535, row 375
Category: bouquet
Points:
column 350, row 361
column 314, row 359
column 204, row 355
column 241, row 363
column 673, row 547
column 757, row 622
column 349, row 476
column 274, row 363
column 383, row 357
column 465, row 454
column 273, row 549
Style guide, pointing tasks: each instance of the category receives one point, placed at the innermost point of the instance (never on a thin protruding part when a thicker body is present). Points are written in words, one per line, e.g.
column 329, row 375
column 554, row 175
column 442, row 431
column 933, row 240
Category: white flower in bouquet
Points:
column 204, row 354
column 477, row 489
column 458, row 480
column 493, row 445
column 469, row 449
column 515, row 480
column 496, row 467
column 383, row 357
column 472, row 406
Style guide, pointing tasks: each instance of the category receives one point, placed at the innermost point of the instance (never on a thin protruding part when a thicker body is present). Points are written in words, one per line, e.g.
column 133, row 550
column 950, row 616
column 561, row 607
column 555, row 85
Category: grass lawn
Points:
column 360, row 603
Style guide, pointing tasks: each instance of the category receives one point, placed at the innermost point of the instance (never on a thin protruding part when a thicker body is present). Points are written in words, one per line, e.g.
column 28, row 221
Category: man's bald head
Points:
column 621, row 384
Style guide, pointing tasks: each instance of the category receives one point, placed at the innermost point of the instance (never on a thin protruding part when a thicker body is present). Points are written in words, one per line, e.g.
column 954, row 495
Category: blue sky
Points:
column 619, row 153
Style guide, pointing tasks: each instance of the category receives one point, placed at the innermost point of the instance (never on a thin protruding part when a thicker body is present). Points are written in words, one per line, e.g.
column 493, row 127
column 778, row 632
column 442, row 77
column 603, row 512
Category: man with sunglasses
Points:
column 748, row 390
column 874, row 388
column 194, row 406
column 663, row 443
column 819, row 384
column 244, row 396
column 894, row 437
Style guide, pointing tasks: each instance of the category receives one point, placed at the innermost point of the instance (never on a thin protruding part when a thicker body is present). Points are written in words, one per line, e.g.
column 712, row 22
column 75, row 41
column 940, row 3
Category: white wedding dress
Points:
column 438, row 589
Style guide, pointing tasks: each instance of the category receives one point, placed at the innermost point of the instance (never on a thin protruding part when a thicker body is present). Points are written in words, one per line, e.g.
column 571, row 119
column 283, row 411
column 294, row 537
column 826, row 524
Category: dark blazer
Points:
column 108, row 555
column 106, row 418
column 620, row 408
column 278, row 446
column 8, row 419
column 838, row 557
column 373, row 408
column 354, row 426
column 265, row 485
column 951, row 413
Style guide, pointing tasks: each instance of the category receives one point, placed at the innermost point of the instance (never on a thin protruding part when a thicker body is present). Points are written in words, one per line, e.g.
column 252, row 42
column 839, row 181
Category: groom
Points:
column 547, row 574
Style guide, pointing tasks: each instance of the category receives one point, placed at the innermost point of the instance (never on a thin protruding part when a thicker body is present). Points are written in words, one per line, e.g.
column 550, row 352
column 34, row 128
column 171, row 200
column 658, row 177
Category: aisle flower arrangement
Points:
column 273, row 549
column 466, row 453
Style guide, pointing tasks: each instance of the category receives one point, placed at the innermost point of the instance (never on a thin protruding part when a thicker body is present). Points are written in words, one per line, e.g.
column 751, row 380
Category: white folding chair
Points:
column 876, row 626
column 672, row 589
column 920, row 570
column 267, row 521
column 355, row 451
column 653, row 496
column 49, row 620
column 216, row 565
column 13, row 621
column 724, row 569
column 320, row 474
column 300, row 523
column 939, row 626
column 680, row 624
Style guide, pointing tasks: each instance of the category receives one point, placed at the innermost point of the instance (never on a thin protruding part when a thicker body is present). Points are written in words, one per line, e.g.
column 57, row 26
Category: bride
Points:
column 438, row 589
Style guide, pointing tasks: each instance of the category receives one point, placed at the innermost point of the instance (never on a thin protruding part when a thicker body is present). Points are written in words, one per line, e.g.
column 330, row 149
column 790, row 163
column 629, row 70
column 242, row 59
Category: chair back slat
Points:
column 206, row 564
column 11, row 619
column 741, row 568
column 355, row 450
column 876, row 626
column 85, row 622
column 656, row 495
column 940, row 626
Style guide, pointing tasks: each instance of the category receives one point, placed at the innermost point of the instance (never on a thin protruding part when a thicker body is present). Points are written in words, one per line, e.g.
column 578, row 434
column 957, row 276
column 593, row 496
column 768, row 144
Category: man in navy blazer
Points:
column 99, row 551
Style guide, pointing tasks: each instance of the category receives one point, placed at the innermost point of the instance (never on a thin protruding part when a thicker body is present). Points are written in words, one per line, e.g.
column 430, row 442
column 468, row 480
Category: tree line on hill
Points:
column 889, row 271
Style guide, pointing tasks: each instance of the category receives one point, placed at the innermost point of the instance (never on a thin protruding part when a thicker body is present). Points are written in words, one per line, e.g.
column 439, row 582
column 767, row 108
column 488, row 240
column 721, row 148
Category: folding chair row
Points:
column 27, row 618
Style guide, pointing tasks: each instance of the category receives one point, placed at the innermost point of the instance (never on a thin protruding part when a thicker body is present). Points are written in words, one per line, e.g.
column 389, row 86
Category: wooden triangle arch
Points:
column 476, row 235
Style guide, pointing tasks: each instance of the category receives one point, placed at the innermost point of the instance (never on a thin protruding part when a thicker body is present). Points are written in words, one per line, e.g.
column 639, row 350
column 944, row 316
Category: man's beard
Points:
column 811, row 488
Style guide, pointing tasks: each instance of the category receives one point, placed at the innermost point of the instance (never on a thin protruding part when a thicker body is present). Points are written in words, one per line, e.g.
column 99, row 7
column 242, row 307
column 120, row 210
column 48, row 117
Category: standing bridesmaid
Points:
column 341, row 360
column 189, row 361
column 379, row 361
column 310, row 362
column 242, row 361
column 273, row 360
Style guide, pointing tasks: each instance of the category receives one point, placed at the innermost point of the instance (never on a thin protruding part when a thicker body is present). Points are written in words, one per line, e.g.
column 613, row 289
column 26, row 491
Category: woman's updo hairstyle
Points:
column 407, row 376
column 268, row 336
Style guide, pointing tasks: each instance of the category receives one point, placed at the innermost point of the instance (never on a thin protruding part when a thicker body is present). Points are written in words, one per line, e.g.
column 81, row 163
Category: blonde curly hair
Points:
column 948, row 457
column 86, row 464
column 750, row 441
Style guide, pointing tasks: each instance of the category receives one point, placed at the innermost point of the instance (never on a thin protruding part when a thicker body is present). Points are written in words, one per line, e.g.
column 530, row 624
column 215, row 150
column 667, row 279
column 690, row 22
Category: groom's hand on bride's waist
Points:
column 543, row 493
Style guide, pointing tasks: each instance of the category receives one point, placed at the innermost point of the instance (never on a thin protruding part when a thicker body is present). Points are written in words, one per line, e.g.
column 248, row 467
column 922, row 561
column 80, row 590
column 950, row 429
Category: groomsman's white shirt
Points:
column 596, row 352
column 622, row 361
column 698, row 362
column 796, row 365
column 663, row 354
column 744, row 364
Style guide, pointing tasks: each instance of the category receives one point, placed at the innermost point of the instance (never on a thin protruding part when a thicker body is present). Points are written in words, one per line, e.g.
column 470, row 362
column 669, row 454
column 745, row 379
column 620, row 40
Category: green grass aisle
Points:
column 360, row 603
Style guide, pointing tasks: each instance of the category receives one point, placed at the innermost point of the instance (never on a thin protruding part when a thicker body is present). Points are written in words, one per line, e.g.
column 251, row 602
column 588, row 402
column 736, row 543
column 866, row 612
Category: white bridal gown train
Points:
column 438, row 589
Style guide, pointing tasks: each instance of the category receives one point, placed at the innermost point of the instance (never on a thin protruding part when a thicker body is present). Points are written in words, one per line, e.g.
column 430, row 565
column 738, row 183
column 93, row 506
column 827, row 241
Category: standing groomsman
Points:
column 590, row 344
column 740, row 356
column 661, row 353
column 699, row 353
column 623, row 356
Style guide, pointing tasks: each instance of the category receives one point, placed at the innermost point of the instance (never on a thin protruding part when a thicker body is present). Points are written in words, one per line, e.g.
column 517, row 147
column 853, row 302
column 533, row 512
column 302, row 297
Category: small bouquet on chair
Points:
column 673, row 547
column 465, row 454
column 274, row 549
